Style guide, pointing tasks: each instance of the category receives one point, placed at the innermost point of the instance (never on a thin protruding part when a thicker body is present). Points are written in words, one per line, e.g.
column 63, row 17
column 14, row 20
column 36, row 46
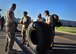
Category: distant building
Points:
column 68, row 23
column 64, row 22
column 18, row 20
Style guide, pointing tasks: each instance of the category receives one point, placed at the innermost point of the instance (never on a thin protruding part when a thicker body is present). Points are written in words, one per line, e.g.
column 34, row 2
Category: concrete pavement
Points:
column 2, row 42
column 64, row 43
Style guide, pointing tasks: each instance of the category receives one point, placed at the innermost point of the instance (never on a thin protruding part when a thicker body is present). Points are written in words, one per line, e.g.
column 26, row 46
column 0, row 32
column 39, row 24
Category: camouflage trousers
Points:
column 10, row 35
column 23, row 33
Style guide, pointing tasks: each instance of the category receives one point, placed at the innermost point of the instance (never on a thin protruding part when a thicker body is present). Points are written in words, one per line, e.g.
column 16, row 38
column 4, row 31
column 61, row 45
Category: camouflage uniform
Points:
column 10, row 30
column 25, row 23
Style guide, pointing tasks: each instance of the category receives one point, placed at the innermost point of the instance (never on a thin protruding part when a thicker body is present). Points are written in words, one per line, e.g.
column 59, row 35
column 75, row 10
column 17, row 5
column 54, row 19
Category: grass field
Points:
column 67, row 29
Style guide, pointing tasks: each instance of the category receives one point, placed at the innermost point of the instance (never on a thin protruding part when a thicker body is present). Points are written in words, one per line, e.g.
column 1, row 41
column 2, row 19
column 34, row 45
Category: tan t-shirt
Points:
column 26, row 21
column 48, row 20
column 10, row 20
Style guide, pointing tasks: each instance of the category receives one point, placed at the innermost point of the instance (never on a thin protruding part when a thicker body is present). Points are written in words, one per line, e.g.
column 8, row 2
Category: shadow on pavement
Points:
column 65, row 44
column 63, row 51
column 59, row 48
column 16, row 52
column 64, row 48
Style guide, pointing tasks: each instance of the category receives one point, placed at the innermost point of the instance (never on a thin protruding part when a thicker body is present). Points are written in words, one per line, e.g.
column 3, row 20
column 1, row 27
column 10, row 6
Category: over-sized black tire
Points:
column 39, row 37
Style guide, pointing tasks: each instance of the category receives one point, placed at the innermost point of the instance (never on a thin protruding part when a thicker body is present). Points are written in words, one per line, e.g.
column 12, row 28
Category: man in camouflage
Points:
column 10, row 30
column 25, row 23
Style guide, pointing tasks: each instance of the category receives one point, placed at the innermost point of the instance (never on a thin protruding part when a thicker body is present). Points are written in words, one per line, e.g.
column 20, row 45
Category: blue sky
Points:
column 66, row 9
